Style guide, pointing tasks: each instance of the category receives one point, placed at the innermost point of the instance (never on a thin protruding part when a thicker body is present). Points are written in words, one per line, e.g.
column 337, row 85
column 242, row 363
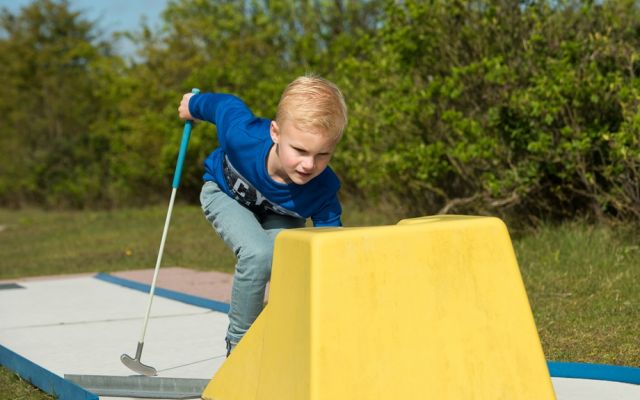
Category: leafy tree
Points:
column 526, row 109
column 47, row 105
column 249, row 48
column 499, row 107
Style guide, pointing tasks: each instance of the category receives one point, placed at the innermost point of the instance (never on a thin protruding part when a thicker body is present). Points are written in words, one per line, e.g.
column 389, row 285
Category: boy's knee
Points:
column 257, row 260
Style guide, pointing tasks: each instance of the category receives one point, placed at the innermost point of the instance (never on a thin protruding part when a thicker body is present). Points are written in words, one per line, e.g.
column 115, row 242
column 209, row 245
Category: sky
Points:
column 112, row 15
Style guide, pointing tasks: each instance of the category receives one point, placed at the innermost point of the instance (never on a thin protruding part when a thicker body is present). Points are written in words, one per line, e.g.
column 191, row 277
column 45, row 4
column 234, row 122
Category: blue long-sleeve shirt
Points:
column 239, row 165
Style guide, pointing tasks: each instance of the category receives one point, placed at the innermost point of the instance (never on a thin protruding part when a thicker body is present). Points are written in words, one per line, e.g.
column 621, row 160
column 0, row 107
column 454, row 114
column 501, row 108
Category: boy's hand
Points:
column 183, row 110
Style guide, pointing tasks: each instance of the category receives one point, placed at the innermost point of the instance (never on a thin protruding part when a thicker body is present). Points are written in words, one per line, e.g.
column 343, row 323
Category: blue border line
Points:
column 64, row 389
column 44, row 379
column 557, row 369
column 602, row 372
column 170, row 294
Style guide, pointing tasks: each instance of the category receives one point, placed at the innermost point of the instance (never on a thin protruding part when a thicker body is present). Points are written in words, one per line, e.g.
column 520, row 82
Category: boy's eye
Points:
column 304, row 152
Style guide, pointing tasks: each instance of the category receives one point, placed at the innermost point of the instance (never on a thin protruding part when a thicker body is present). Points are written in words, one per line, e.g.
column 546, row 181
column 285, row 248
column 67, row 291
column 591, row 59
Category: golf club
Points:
column 135, row 364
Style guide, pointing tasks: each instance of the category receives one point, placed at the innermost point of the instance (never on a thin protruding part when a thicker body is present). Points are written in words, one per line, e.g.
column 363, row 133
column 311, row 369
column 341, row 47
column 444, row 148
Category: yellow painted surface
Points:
column 431, row 308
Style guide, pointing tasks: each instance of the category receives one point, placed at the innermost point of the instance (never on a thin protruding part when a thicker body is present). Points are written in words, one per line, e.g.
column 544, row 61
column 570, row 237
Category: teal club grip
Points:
column 186, row 134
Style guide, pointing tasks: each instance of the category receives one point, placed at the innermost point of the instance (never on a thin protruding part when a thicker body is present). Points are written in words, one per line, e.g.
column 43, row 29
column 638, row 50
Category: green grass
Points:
column 583, row 283
column 12, row 387
column 582, row 280
column 36, row 242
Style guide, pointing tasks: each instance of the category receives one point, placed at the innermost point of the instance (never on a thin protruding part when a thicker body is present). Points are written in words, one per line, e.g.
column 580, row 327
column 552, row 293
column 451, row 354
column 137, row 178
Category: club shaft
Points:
column 158, row 262
column 176, row 182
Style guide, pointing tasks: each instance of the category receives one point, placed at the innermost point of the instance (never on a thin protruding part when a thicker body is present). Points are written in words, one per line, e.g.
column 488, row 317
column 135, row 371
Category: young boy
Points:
column 265, row 176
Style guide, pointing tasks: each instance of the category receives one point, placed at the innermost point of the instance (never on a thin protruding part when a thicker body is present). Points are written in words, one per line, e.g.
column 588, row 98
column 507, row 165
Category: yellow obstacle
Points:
column 431, row 308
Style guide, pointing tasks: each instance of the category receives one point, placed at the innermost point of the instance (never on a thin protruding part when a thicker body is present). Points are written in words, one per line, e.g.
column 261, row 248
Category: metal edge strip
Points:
column 557, row 369
column 141, row 386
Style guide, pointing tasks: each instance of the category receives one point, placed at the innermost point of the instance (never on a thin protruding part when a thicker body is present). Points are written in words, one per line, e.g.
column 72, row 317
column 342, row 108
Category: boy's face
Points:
column 301, row 155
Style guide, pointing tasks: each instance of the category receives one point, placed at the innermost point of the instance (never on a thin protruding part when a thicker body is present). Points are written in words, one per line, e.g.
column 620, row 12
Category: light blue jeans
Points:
column 251, row 238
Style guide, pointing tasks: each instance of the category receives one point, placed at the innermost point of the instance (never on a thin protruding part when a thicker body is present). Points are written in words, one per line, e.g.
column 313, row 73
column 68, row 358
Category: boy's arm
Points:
column 329, row 215
column 223, row 110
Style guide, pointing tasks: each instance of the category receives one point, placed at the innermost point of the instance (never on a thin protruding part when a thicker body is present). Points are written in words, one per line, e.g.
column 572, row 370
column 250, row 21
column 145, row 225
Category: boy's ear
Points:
column 274, row 131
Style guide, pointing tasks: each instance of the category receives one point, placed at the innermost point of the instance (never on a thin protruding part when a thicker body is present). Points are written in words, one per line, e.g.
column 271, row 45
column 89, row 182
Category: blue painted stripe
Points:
column 602, row 372
column 169, row 294
column 556, row 369
column 44, row 379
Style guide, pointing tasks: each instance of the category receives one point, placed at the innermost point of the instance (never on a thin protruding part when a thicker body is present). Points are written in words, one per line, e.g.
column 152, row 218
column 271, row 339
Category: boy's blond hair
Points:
column 313, row 102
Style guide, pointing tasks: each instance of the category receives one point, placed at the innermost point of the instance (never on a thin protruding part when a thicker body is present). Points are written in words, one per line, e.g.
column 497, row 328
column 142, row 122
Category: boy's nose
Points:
column 307, row 163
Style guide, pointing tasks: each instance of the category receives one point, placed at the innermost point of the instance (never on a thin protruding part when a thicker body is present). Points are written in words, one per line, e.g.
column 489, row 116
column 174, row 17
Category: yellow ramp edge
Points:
column 431, row 308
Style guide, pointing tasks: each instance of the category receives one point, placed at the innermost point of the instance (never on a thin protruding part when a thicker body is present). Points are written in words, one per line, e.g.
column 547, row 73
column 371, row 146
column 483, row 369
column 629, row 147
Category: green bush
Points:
column 526, row 109
column 522, row 110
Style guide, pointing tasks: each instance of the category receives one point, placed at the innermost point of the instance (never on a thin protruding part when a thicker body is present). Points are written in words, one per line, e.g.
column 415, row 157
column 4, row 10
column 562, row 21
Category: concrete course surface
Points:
column 78, row 324
column 81, row 325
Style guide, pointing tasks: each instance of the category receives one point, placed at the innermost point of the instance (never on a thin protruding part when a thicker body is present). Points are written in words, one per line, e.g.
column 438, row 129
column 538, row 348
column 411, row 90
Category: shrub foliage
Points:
column 525, row 109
